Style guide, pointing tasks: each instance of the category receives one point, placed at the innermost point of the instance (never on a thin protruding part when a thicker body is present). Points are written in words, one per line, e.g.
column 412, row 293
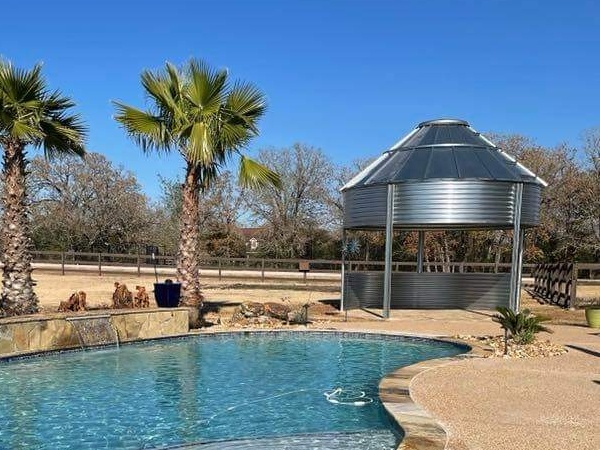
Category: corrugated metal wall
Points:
column 428, row 290
column 451, row 203
column 532, row 201
column 365, row 207
column 442, row 205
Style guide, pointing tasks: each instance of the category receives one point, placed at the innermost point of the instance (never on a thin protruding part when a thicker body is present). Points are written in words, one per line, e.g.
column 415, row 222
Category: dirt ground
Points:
column 224, row 296
column 221, row 296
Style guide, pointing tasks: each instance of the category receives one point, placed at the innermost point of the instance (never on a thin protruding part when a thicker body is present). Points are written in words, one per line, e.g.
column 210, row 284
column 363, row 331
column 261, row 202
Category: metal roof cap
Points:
column 431, row 123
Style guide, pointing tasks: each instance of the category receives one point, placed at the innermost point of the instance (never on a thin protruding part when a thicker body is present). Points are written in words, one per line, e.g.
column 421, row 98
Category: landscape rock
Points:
column 538, row 349
column 277, row 311
column 122, row 297
column 76, row 302
column 252, row 309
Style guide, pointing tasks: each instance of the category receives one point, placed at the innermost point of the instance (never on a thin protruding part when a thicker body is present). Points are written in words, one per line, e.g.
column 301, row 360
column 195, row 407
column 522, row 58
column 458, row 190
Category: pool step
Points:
column 360, row 440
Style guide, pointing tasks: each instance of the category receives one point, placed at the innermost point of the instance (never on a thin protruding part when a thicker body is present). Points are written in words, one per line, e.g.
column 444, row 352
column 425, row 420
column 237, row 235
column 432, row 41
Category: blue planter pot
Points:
column 167, row 295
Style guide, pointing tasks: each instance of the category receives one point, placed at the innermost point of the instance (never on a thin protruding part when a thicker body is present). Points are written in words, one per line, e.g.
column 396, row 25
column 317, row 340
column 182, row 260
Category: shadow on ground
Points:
column 584, row 350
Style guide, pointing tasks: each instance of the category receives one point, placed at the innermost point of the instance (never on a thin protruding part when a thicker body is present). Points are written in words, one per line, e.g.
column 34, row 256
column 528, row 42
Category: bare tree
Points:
column 87, row 205
column 566, row 227
column 292, row 215
column 221, row 207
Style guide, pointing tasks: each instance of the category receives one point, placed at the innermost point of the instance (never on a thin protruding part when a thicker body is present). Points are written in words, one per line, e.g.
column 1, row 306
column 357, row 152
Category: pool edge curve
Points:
column 422, row 431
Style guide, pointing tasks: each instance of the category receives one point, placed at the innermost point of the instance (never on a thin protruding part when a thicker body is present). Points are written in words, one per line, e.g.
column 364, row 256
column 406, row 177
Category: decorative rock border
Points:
column 421, row 430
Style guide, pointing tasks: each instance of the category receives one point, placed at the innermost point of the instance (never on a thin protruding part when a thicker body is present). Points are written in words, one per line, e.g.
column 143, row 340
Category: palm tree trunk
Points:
column 188, row 260
column 17, row 286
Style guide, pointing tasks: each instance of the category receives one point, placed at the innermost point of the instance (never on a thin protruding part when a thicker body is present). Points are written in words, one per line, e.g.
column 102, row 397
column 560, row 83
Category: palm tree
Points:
column 30, row 115
column 208, row 120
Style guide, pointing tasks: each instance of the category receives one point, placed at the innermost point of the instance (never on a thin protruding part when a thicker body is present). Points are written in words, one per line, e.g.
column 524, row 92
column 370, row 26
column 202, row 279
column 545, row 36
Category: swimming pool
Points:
column 258, row 390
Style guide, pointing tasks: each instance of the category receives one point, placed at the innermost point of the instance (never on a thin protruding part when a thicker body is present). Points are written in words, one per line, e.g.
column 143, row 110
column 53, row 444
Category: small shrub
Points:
column 588, row 302
column 522, row 326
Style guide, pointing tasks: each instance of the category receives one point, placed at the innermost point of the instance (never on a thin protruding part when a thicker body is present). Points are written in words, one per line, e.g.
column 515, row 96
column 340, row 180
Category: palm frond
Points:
column 207, row 175
column 246, row 103
column 255, row 175
column 174, row 82
column 20, row 85
column 234, row 136
column 207, row 87
column 25, row 130
column 63, row 136
column 34, row 115
column 200, row 147
column 161, row 92
column 149, row 131
column 57, row 103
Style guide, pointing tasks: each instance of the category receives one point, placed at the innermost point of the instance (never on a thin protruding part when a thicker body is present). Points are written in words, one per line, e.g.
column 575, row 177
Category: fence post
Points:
column 62, row 262
column 99, row 264
column 219, row 269
column 139, row 265
column 574, row 275
column 262, row 266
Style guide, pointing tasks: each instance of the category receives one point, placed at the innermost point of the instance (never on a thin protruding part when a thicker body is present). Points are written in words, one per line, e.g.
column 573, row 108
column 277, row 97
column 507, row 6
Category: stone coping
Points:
column 421, row 430
column 90, row 313
column 35, row 335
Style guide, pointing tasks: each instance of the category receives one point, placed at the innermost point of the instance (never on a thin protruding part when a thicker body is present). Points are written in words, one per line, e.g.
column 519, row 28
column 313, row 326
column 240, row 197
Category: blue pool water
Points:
column 264, row 388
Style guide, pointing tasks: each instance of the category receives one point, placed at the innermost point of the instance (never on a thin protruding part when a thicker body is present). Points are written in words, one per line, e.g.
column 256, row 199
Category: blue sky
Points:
column 350, row 77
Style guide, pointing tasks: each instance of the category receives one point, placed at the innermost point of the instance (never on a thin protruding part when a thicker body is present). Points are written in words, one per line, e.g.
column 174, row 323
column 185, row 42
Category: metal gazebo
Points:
column 443, row 175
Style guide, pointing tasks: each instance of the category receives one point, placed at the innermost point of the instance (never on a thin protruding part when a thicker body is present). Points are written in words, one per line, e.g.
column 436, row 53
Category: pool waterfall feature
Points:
column 56, row 332
column 95, row 330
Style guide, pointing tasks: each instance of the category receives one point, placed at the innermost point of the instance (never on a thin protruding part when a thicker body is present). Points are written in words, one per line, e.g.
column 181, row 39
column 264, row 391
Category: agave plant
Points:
column 522, row 326
column 351, row 247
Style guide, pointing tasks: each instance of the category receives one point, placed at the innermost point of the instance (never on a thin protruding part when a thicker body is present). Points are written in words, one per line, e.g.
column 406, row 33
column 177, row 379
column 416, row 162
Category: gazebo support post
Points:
column 520, row 269
column 421, row 251
column 343, row 269
column 517, row 252
column 389, row 237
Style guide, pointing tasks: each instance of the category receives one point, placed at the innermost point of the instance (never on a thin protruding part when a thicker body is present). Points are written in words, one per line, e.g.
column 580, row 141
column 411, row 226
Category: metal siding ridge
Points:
column 429, row 290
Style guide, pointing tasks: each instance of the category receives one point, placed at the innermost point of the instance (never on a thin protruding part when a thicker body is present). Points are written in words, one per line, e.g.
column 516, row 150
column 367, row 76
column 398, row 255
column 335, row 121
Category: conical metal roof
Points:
column 443, row 149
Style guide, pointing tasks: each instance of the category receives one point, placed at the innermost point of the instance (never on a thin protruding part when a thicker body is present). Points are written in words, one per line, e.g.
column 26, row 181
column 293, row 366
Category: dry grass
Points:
column 559, row 315
column 224, row 296
column 53, row 288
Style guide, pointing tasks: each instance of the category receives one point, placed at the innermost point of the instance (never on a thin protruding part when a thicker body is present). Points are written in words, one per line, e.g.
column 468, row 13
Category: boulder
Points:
column 277, row 310
column 252, row 309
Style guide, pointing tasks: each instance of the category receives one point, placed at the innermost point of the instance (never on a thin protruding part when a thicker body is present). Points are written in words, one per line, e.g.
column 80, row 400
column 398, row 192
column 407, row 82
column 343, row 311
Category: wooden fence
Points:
column 298, row 268
column 138, row 263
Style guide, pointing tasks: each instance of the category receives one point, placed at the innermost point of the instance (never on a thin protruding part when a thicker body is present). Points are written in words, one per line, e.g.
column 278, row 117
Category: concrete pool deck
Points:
column 496, row 403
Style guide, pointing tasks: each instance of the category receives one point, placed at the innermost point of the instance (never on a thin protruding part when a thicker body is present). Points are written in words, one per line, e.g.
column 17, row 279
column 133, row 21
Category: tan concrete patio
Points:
column 495, row 403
